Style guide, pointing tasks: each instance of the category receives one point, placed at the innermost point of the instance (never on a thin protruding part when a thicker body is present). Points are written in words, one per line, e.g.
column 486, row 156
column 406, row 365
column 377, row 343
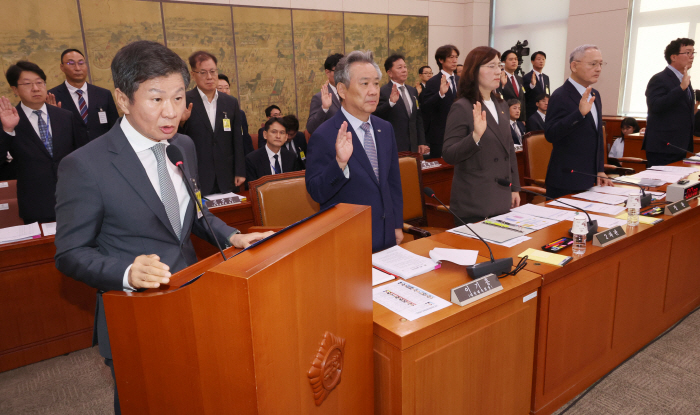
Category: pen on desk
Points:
column 566, row 261
column 553, row 243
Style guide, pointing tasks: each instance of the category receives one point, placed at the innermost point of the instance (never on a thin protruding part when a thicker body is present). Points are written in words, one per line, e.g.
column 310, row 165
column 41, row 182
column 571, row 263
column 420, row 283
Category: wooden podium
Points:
column 282, row 328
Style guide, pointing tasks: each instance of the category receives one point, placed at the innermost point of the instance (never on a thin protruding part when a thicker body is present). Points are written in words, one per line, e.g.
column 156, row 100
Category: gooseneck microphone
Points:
column 680, row 148
column 645, row 199
column 496, row 266
column 175, row 157
column 592, row 224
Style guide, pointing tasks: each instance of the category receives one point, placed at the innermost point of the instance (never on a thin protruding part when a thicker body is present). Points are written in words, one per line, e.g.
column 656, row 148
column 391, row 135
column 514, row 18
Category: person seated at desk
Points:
column 517, row 128
column 628, row 126
column 296, row 140
column 536, row 121
column 478, row 142
column 273, row 111
column 271, row 158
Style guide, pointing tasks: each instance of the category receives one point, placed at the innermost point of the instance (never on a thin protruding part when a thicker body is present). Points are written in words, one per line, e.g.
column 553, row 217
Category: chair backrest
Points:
column 412, row 187
column 8, row 189
column 9, row 213
column 254, row 137
column 537, row 151
column 281, row 199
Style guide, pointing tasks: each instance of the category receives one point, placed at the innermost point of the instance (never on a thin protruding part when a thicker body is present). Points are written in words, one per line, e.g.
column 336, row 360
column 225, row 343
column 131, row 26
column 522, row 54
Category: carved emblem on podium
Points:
column 325, row 371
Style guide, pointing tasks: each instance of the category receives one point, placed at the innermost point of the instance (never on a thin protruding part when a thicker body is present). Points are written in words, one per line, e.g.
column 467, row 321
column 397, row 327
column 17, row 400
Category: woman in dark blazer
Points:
column 478, row 142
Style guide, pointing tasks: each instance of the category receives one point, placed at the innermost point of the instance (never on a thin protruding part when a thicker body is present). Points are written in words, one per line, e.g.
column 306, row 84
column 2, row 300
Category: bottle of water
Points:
column 580, row 231
column 633, row 205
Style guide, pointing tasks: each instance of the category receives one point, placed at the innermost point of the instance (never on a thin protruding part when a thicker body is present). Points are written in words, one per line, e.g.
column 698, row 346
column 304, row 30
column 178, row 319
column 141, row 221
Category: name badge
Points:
column 302, row 155
column 547, row 90
column 227, row 123
column 198, row 194
column 103, row 116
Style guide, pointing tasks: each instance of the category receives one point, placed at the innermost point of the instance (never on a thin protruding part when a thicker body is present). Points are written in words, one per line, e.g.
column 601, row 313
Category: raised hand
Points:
column 326, row 98
column 479, row 122
column 584, row 106
column 186, row 114
column 444, row 85
column 504, row 78
column 51, row 100
column 533, row 81
column 343, row 146
column 394, row 94
column 686, row 79
column 8, row 115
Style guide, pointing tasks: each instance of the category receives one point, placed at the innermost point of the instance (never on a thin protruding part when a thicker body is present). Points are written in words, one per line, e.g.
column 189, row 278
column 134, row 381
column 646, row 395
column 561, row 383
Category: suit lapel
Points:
column 68, row 103
column 200, row 111
column 31, row 132
column 502, row 129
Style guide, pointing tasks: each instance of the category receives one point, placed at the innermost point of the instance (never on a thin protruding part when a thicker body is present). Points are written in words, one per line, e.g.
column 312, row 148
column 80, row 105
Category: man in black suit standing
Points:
column 224, row 87
column 213, row 122
column 671, row 106
column 94, row 105
column 38, row 136
column 539, row 85
column 574, row 126
column 439, row 94
column 273, row 157
column 535, row 122
column 424, row 75
column 326, row 103
column 398, row 104
column 273, row 111
column 517, row 128
column 296, row 140
column 512, row 84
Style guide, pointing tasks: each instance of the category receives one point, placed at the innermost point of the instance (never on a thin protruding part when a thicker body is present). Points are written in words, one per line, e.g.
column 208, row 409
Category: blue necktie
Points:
column 370, row 149
column 44, row 133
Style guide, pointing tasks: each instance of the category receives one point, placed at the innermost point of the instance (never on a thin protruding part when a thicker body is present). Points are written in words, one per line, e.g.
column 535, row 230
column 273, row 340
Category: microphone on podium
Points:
column 680, row 148
column 645, row 199
column 592, row 224
column 496, row 266
column 175, row 157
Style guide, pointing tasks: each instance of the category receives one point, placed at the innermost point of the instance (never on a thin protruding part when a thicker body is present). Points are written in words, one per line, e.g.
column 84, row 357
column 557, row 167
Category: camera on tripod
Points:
column 520, row 50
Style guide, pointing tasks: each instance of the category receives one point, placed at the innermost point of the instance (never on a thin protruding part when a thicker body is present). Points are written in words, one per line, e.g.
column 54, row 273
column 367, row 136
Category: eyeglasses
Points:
column 213, row 73
column 594, row 64
column 494, row 67
column 74, row 63
column 38, row 84
column 690, row 54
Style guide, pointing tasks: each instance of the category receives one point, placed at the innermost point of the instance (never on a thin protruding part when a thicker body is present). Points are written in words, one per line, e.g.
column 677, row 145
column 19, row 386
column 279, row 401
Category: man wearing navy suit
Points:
column 535, row 122
column 213, row 122
column 38, row 136
column 517, row 128
column 296, row 140
column 536, row 83
column 398, row 104
column 353, row 157
column 123, row 211
column 273, row 157
column 574, row 126
column 671, row 106
column 438, row 95
column 92, row 104
column 326, row 103
column 512, row 84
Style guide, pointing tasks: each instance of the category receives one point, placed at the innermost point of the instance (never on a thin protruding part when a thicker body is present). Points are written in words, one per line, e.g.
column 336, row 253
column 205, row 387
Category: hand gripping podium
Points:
column 282, row 328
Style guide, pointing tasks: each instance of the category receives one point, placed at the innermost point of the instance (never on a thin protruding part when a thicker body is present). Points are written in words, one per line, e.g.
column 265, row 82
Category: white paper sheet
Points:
column 379, row 277
column 675, row 169
column 508, row 244
column 49, row 228
column 462, row 257
column 20, row 233
column 603, row 197
column 402, row 262
column 588, row 206
column 407, row 300
column 525, row 221
column 545, row 212
column 217, row 196
column 608, row 222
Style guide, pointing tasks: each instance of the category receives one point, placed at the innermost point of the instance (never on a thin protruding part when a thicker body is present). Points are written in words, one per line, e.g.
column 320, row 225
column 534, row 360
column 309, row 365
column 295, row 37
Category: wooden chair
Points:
column 614, row 170
column 254, row 137
column 281, row 199
column 9, row 211
column 536, row 153
column 414, row 208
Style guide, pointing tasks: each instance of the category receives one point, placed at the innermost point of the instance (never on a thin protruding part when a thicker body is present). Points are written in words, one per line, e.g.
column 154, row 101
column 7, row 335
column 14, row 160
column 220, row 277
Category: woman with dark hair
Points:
column 627, row 126
column 478, row 142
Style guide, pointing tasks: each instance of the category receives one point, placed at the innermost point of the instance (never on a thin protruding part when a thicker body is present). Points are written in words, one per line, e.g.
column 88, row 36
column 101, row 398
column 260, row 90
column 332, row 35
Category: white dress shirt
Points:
column 511, row 79
column 335, row 92
column 581, row 89
column 210, row 106
column 34, row 119
column 448, row 77
column 398, row 85
column 514, row 126
column 542, row 114
column 355, row 123
column 142, row 147
column 271, row 157
column 491, row 106
column 74, row 95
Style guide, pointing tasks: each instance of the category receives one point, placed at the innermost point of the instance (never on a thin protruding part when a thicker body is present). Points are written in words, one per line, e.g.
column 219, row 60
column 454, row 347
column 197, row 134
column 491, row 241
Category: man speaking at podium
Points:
column 123, row 211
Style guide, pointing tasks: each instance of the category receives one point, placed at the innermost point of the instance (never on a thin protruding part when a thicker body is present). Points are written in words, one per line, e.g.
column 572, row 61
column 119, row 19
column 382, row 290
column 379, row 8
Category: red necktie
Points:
column 515, row 86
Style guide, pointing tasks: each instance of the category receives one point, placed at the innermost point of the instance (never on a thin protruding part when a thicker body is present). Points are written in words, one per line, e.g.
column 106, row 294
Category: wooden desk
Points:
column 633, row 146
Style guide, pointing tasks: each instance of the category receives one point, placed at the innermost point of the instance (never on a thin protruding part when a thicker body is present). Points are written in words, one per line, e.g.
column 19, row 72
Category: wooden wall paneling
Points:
column 683, row 286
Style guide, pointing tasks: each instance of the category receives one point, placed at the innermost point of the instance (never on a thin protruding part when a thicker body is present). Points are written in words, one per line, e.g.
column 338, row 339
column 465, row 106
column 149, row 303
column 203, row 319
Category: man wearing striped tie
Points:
column 94, row 105
column 353, row 156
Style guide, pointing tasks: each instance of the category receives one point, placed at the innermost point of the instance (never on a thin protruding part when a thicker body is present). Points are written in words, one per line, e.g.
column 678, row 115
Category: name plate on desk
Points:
column 607, row 237
column 222, row 202
column 475, row 290
column 676, row 208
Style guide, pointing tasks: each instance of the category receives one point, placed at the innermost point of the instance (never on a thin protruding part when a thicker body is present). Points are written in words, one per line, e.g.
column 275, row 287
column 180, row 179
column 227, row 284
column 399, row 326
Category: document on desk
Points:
column 49, row 228
column 508, row 244
column 407, row 300
column 20, row 233
column 403, row 263
column 545, row 212
column 624, row 191
column 489, row 232
column 219, row 196
column 675, row 169
column 525, row 221
column 462, row 257
column 603, row 197
column 608, row 222
column 588, row 206
column 379, row 277
column 663, row 176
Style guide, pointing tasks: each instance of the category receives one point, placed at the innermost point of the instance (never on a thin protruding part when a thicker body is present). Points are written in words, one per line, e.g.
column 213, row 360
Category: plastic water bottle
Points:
column 580, row 231
column 633, row 205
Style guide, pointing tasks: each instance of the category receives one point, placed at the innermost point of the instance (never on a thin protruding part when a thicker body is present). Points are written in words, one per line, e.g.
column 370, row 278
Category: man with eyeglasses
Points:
column 273, row 157
column 438, row 95
column 93, row 105
column 574, row 126
column 213, row 122
column 671, row 106
column 38, row 136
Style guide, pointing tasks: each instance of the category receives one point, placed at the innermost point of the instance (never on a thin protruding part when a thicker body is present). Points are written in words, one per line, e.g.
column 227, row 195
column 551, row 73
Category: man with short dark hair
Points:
column 224, row 86
column 437, row 98
column 424, row 74
column 535, row 122
column 123, row 211
column 398, row 104
column 92, row 104
column 671, row 106
column 296, row 140
column 517, row 129
column 38, row 137
column 273, row 111
column 536, row 82
column 512, row 84
column 326, row 103
column 213, row 122
column 273, row 157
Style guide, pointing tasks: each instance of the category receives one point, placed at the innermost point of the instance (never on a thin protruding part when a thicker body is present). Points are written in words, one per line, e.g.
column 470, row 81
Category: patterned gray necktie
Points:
column 370, row 149
column 406, row 99
column 167, row 189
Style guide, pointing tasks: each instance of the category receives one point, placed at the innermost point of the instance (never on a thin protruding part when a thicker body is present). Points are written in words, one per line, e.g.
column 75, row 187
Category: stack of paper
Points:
column 545, row 212
column 379, row 277
column 407, row 300
column 460, row 230
column 49, row 228
column 462, row 257
column 20, row 233
column 649, row 220
column 664, row 176
column 588, row 206
column 403, row 263
column 625, row 191
column 546, row 257
column 675, row 169
column 603, row 197
column 525, row 221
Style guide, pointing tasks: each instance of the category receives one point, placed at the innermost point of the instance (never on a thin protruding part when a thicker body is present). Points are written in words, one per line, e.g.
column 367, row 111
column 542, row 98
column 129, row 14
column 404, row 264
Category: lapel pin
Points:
column 379, row 131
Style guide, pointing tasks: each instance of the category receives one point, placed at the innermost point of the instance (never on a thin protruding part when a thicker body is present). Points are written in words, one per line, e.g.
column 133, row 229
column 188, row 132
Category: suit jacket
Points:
column 576, row 142
column 247, row 139
column 108, row 213
column 219, row 153
column 535, row 123
column 316, row 114
column 508, row 93
column 36, row 169
column 475, row 191
column 327, row 184
column 299, row 143
column 257, row 164
column 408, row 129
column 519, row 125
column 671, row 115
column 99, row 99
column 531, row 94
column 435, row 109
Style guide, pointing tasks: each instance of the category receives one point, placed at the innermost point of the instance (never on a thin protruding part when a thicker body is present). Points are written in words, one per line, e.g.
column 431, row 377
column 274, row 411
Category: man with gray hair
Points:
column 574, row 126
column 352, row 157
